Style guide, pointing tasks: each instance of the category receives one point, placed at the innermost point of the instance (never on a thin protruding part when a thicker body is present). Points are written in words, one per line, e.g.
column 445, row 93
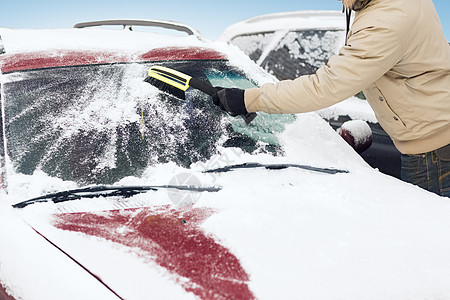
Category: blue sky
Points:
column 209, row 17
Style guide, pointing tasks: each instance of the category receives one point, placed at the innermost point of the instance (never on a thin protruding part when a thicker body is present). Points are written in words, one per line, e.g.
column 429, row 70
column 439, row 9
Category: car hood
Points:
column 267, row 234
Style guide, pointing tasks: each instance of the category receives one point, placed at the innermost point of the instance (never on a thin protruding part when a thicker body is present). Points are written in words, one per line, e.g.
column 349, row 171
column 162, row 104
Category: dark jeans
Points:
column 430, row 171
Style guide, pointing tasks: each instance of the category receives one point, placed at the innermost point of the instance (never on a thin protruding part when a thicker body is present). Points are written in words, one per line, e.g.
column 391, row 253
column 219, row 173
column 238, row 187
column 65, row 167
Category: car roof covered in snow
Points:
column 303, row 19
column 97, row 35
column 91, row 44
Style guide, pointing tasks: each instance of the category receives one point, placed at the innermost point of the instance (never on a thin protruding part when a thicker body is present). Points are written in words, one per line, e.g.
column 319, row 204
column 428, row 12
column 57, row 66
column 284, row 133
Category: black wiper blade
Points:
column 251, row 165
column 108, row 191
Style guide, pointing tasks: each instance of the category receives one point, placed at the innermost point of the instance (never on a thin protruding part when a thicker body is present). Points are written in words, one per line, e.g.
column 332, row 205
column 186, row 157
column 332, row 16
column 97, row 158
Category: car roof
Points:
column 81, row 45
column 303, row 19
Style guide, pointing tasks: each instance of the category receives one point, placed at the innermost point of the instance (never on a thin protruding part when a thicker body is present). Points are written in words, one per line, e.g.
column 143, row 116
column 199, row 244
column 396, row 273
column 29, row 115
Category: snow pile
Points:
column 357, row 133
column 359, row 129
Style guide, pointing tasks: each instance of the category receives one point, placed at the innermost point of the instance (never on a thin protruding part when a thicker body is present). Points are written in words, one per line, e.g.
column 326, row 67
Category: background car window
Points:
column 302, row 52
column 290, row 54
column 2, row 49
column 254, row 44
column 2, row 151
column 100, row 123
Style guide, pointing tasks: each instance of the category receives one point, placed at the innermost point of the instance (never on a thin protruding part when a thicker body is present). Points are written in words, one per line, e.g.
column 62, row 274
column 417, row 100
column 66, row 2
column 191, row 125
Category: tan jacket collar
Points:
column 355, row 4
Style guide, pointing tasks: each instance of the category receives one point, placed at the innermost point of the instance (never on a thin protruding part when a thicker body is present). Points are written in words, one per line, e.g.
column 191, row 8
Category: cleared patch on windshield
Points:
column 228, row 79
column 265, row 127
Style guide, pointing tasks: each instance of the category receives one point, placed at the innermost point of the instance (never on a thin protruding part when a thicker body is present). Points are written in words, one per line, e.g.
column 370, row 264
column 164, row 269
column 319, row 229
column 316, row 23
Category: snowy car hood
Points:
column 266, row 234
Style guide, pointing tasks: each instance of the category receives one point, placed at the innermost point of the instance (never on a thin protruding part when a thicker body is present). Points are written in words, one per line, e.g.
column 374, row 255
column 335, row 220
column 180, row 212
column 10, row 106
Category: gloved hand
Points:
column 230, row 100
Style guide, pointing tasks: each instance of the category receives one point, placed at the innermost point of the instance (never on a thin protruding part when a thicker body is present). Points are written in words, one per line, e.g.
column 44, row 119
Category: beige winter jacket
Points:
column 398, row 55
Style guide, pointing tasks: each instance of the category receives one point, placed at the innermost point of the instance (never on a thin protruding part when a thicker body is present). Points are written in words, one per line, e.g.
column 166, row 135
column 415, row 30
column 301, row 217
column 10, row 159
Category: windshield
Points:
column 288, row 55
column 100, row 123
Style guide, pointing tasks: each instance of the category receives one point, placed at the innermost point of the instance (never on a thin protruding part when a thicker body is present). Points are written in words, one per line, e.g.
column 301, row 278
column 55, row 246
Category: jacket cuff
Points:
column 252, row 99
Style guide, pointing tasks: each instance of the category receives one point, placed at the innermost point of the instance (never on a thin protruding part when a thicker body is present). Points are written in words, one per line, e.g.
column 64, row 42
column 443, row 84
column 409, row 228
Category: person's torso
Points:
column 412, row 100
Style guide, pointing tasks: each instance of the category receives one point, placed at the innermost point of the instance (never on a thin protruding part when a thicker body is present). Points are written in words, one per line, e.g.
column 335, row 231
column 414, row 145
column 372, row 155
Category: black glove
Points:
column 231, row 101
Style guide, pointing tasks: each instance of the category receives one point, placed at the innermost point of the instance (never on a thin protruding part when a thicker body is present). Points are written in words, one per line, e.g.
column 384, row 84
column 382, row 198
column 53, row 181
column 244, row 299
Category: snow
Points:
column 42, row 269
column 299, row 234
column 285, row 21
column 361, row 235
column 374, row 238
column 360, row 130
column 353, row 107
column 20, row 40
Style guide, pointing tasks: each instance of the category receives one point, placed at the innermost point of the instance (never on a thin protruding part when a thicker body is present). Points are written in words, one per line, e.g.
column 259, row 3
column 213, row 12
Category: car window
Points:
column 302, row 52
column 290, row 54
column 100, row 123
column 253, row 45
column 2, row 48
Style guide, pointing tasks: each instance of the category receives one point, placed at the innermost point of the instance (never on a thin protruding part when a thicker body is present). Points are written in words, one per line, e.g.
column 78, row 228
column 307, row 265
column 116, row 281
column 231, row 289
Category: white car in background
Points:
column 115, row 189
column 297, row 43
column 290, row 44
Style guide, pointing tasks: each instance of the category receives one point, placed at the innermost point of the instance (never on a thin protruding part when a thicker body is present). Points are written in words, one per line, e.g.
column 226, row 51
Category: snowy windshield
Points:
column 100, row 123
column 290, row 54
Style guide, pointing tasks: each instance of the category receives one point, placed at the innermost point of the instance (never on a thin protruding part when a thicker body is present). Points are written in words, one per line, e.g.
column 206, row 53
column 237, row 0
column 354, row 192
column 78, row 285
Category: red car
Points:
column 84, row 115
column 115, row 189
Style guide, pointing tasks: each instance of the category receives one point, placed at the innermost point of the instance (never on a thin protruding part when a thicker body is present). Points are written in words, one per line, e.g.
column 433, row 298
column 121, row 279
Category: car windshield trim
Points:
column 109, row 191
column 252, row 165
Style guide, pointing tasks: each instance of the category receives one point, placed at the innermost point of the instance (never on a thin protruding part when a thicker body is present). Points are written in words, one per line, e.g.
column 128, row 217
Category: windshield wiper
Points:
column 252, row 165
column 108, row 191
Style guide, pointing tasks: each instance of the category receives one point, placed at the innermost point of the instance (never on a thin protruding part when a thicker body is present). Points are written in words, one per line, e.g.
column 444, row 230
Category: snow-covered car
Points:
column 289, row 44
column 297, row 43
column 115, row 189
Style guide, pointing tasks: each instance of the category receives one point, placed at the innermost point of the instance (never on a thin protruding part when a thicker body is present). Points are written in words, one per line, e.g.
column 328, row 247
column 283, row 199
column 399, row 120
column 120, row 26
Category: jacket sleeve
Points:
column 370, row 53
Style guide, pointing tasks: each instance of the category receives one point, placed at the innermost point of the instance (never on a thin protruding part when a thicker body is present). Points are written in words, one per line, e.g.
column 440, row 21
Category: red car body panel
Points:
column 174, row 240
column 4, row 295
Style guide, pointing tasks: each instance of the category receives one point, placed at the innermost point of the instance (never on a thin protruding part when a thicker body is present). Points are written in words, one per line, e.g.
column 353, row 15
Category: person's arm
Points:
column 371, row 52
